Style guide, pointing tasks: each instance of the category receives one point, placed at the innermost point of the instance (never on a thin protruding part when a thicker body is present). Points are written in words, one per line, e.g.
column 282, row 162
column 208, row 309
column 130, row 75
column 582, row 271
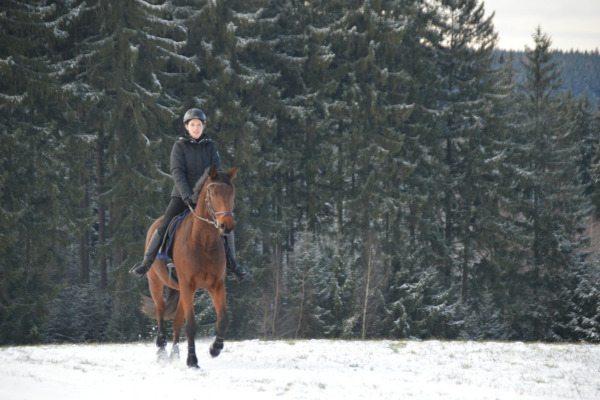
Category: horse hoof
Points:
column 161, row 354
column 215, row 349
column 174, row 354
column 192, row 362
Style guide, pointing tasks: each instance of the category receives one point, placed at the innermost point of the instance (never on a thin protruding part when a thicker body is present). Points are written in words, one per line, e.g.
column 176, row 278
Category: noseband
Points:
column 211, row 210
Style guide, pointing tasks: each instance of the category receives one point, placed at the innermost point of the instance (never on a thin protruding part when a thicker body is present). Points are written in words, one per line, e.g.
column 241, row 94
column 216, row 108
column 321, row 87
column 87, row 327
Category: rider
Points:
column 192, row 153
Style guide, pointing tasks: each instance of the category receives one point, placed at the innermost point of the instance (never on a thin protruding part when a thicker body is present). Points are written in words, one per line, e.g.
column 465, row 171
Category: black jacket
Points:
column 189, row 160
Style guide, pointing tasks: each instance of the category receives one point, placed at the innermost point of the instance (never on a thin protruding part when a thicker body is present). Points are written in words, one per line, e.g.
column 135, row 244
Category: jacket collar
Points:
column 187, row 138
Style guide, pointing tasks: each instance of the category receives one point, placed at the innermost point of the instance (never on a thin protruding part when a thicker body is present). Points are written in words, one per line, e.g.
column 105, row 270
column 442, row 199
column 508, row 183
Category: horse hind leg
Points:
column 156, row 290
column 177, row 325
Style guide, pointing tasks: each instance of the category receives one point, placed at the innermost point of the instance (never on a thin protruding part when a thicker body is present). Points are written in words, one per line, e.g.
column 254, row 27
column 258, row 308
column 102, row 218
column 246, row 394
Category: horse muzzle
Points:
column 225, row 224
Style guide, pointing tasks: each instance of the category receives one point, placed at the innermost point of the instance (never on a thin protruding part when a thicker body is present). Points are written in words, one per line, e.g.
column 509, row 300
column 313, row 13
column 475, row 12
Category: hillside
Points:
column 580, row 72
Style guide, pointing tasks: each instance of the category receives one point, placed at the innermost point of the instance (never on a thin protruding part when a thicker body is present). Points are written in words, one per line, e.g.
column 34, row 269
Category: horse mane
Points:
column 199, row 185
column 221, row 176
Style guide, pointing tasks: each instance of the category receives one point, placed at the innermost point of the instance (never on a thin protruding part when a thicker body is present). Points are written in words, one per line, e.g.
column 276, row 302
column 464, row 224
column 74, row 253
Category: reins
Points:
column 210, row 208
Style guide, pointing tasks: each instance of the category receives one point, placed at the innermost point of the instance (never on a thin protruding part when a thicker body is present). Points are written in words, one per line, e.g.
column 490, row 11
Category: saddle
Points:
column 165, row 251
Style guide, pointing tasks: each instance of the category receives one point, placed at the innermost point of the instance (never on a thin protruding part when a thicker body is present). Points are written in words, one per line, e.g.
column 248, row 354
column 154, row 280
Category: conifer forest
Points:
column 399, row 175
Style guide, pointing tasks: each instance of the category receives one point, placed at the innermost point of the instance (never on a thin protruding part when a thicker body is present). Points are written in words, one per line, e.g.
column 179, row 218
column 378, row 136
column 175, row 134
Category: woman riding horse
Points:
column 200, row 263
column 192, row 154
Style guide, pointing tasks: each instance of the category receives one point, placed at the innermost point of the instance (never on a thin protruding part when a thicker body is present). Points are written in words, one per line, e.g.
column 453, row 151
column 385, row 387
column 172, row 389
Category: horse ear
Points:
column 232, row 172
column 213, row 171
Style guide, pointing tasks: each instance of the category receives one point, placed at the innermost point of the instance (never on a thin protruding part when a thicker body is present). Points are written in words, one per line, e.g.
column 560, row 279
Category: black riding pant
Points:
column 176, row 207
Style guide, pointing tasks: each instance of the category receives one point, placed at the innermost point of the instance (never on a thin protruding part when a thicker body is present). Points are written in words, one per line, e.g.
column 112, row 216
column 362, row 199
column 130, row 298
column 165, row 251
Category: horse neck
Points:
column 202, row 231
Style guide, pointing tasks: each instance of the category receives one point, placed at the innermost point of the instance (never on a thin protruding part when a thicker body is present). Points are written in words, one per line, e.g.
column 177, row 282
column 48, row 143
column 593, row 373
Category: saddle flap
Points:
column 166, row 248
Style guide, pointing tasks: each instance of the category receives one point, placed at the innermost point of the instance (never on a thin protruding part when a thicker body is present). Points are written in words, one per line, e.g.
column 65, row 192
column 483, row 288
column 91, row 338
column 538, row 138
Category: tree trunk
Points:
column 366, row 302
column 84, row 260
column 101, row 221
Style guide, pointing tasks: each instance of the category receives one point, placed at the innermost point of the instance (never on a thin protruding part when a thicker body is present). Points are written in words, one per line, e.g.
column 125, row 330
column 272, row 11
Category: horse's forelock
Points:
column 223, row 177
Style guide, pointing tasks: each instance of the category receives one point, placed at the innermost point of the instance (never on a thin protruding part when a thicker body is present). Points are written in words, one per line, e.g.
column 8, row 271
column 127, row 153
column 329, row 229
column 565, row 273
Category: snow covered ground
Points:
column 305, row 369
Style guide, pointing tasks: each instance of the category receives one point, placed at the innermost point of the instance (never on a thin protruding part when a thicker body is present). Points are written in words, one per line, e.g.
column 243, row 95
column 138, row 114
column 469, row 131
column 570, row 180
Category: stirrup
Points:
column 139, row 270
column 241, row 274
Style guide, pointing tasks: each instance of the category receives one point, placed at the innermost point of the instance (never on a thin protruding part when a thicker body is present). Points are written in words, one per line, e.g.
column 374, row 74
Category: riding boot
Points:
column 140, row 269
column 234, row 271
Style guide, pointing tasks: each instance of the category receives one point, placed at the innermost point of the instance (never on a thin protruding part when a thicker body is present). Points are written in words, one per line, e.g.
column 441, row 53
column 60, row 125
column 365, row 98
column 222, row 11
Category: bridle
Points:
column 209, row 207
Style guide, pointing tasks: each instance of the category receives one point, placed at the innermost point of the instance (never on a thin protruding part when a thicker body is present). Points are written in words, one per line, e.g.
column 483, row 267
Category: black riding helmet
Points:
column 194, row 113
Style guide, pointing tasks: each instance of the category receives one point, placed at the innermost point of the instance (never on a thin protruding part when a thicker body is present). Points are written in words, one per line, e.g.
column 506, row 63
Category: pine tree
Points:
column 337, row 304
column 583, row 317
column 364, row 143
column 466, row 90
column 551, row 205
column 449, row 147
column 126, row 59
column 307, row 272
column 301, row 59
column 40, row 178
column 582, row 321
column 233, row 82
column 416, row 289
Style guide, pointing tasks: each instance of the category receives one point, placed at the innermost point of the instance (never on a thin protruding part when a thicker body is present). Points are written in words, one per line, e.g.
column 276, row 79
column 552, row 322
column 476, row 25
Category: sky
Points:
column 570, row 24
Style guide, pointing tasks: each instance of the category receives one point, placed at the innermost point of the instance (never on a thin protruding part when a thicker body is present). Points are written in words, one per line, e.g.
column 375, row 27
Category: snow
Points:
column 305, row 369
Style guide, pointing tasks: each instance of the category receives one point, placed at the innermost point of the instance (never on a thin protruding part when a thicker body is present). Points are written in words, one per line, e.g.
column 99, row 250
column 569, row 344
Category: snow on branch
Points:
column 288, row 59
column 168, row 110
column 323, row 31
column 12, row 99
column 248, row 17
column 146, row 92
column 7, row 61
column 154, row 7
column 245, row 42
column 298, row 112
column 176, row 45
column 64, row 19
column 83, row 90
column 189, row 61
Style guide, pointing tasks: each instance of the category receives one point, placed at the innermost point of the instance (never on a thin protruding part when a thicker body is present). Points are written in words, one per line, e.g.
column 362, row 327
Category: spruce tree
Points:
column 452, row 153
column 126, row 57
column 40, row 177
column 551, row 205
column 364, row 169
column 416, row 289
column 467, row 83
column 232, row 82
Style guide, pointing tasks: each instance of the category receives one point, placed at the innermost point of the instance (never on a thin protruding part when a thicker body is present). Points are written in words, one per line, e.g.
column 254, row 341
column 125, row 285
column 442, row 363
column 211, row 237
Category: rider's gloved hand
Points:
column 188, row 202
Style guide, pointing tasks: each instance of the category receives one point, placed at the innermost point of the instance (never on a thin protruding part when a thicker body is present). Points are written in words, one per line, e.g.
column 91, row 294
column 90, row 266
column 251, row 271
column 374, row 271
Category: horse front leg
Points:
column 186, row 302
column 161, row 340
column 219, row 297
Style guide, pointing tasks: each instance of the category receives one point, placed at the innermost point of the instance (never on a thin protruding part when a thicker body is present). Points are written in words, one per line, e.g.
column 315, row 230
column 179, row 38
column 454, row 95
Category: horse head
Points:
column 220, row 194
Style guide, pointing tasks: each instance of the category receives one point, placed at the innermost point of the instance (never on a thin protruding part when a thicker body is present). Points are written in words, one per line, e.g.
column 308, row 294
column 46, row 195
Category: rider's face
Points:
column 195, row 127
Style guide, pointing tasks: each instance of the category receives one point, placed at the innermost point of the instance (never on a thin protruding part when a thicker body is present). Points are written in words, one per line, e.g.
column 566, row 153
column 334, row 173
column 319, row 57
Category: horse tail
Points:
column 171, row 303
column 148, row 306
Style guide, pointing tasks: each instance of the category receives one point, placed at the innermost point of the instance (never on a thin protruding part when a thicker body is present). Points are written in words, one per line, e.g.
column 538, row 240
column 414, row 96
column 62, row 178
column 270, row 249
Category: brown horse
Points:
column 199, row 258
